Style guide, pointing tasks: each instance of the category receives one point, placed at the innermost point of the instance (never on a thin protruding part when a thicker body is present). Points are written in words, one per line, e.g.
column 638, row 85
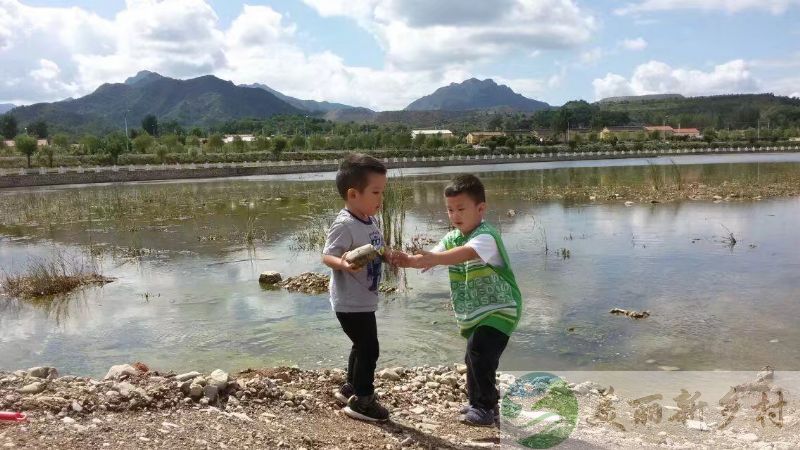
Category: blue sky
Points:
column 383, row 54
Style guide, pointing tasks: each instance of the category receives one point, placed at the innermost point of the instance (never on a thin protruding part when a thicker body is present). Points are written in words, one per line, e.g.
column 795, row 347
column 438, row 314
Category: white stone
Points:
column 219, row 379
column 119, row 370
column 697, row 425
column 187, row 376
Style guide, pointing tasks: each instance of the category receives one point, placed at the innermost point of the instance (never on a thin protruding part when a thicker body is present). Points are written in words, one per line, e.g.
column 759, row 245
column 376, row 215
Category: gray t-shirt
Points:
column 354, row 292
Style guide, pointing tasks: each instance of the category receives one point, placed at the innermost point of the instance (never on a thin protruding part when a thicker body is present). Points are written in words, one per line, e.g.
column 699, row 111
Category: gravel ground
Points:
column 292, row 408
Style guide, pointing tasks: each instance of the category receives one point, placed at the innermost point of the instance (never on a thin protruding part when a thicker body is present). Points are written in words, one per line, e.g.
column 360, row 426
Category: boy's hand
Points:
column 423, row 260
column 346, row 266
column 426, row 259
column 398, row 258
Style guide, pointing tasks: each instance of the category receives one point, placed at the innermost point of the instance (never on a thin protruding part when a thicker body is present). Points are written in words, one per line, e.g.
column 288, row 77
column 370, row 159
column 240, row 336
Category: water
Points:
column 186, row 257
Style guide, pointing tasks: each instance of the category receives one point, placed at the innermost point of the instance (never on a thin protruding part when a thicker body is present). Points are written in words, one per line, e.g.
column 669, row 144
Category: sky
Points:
column 383, row 54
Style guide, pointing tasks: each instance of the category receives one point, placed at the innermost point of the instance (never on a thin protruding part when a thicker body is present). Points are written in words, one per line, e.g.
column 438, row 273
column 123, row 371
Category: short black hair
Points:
column 354, row 172
column 466, row 184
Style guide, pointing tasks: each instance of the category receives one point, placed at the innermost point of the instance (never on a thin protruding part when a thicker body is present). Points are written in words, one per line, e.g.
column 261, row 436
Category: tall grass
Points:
column 49, row 277
column 396, row 201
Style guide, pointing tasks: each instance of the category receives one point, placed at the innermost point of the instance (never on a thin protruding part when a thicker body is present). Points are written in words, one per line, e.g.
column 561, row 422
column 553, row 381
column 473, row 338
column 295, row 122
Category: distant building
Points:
column 666, row 131
column 11, row 144
column 476, row 137
column 692, row 133
column 621, row 132
column 245, row 138
column 440, row 133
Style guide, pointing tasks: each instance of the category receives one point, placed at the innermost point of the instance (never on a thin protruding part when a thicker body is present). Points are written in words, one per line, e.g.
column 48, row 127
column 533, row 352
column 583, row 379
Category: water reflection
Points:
column 186, row 295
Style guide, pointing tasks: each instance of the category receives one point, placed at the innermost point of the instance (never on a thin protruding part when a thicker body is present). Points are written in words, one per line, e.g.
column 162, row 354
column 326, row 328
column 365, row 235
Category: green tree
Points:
column 196, row 132
column 298, row 142
column 38, row 129
column 402, row 140
column 61, row 142
column 114, row 145
column 279, row 144
column 215, row 143
column 161, row 152
column 150, row 124
column 237, row 144
column 418, row 141
column 709, row 135
column 8, row 126
column 193, row 141
column 316, row 142
column 26, row 145
column 173, row 143
column 262, row 144
column 48, row 151
column 142, row 143
column 90, row 144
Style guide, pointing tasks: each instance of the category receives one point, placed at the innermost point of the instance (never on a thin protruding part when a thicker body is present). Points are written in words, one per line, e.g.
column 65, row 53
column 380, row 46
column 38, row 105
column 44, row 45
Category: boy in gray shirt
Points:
column 361, row 180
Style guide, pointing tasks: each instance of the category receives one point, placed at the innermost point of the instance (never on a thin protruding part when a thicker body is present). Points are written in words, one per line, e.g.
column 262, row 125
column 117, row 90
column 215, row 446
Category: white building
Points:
column 442, row 133
column 245, row 138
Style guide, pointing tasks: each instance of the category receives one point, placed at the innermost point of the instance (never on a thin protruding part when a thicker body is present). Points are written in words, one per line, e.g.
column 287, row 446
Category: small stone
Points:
column 270, row 277
column 388, row 374
column 650, row 361
column 33, row 388
column 195, row 391
column 774, row 341
column 242, row 416
column 461, row 369
column 767, row 374
column 76, row 406
column 418, row 410
column 629, row 203
column 432, row 385
column 697, row 425
column 749, row 437
column 124, row 388
column 68, row 420
column 407, row 442
column 669, row 368
column 43, row 372
column 187, row 376
column 211, row 393
column 123, row 369
column 219, row 379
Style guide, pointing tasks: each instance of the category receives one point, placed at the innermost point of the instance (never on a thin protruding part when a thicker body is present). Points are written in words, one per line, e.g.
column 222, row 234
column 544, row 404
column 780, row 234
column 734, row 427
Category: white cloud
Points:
column 656, row 77
column 74, row 51
column 634, row 44
column 592, row 56
column 729, row 6
column 419, row 34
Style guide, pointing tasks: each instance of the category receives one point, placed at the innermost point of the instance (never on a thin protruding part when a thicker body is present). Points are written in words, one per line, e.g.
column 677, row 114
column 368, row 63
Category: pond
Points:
column 187, row 255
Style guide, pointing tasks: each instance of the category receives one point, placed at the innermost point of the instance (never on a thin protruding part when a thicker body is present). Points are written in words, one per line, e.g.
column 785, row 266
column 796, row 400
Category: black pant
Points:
column 484, row 348
column 363, row 331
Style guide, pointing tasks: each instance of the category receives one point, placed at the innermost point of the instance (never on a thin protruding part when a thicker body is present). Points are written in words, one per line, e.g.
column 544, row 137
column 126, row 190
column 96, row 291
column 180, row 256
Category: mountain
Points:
column 475, row 94
column 202, row 101
column 5, row 107
column 306, row 105
column 640, row 98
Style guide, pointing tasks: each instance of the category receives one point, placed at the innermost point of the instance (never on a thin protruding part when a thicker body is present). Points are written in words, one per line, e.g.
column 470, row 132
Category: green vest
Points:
column 482, row 294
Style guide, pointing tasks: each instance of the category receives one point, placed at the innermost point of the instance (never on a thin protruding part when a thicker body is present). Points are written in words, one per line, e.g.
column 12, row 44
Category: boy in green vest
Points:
column 485, row 296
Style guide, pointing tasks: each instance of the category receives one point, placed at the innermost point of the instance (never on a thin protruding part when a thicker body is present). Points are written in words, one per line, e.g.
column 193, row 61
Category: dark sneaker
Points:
column 366, row 408
column 344, row 393
column 479, row 417
column 465, row 409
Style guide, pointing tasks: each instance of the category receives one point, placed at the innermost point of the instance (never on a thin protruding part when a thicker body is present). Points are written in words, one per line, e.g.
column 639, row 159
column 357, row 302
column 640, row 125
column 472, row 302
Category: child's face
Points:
column 368, row 201
column 464, row 213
